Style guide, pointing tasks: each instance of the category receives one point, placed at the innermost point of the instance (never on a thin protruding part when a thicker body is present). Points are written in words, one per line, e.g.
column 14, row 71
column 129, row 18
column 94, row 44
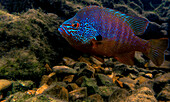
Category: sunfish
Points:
column 107, row 32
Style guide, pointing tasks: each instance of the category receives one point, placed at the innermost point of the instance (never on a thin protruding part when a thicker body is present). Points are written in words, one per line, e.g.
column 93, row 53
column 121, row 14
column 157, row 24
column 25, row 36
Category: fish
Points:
column 107, row 32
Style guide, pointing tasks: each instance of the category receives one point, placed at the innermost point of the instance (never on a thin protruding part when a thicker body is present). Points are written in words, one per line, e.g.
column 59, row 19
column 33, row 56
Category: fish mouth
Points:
column 62, row 31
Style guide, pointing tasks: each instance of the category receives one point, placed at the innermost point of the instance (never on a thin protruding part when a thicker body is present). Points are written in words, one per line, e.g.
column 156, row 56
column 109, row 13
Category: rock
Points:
column 141, row 73
column 19, row 96
column 108, row 70
column 43, row 98
column 95, row 61
column 48, row 68
column 161, row 81
column 95, row 98
column 141, row 79
column 26, row 84
column 68, row 61
column 79, row 93
column 131, row 70
column 139, row 60
column 165, row 65
column 99, row 69
column 41, row 89
column 68, row 78
column 164, row 95
column 63, row 84
column 57, row 91
column 88, row 72
column 132, row 76
column 128, row 83
column 111, row 93
column 85, row 60
column 91, row 85
column 120, row 69
column 80, row 65
column 72, row 86
column 46, row 80
column 119, row 83
column 103, row 80
column 64, row 70
column 143, row 94
column 105, row 91
column 118, row 95
column 143, row 70
column 31, row 92
column 80, row 80
column 149, row 75
column 109, row 63
column 4, row 84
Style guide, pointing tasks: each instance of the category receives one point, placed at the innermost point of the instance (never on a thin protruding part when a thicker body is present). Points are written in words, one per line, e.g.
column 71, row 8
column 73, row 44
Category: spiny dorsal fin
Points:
column 138, row 24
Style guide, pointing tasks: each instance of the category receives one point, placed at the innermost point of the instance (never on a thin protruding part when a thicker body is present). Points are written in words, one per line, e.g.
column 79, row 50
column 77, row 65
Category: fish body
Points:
column 107, row 32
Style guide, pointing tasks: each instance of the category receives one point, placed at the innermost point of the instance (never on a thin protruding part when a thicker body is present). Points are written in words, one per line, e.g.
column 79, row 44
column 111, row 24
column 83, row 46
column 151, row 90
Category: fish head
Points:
column 78, row 31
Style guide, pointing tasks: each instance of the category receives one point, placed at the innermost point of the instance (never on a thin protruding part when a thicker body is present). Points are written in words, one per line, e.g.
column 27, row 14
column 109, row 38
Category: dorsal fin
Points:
column 137, row 24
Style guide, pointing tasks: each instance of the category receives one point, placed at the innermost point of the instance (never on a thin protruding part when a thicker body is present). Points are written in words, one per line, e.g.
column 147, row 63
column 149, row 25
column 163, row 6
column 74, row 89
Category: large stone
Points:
column 143, row 94
column 4, row 84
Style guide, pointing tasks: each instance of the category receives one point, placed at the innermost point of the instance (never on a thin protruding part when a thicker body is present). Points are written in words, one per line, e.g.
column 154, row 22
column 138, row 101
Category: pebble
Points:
column 141, row 79
column 95, row 98
column 68, row 78
column 68, row 61
column 41, row 89
column 78, row 93
column 149, row 75
column 95, row 61
column 57, row 91
column 104, row 80
column 64, row 70
column 72, row 86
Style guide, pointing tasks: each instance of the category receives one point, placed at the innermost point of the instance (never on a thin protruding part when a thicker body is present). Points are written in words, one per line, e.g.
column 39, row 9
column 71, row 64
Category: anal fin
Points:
column 126, row 58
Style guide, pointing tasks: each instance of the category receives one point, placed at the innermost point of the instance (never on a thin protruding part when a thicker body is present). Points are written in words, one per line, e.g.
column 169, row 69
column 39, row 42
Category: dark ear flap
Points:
column 99, row 37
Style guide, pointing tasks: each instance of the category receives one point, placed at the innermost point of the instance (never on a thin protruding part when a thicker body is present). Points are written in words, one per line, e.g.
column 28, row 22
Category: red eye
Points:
column 76, row 24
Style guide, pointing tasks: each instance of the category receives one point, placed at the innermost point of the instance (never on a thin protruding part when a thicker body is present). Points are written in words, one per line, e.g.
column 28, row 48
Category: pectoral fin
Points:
column 126, row 58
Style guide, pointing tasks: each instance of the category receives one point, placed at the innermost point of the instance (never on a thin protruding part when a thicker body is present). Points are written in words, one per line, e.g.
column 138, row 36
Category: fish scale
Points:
column 107, row 32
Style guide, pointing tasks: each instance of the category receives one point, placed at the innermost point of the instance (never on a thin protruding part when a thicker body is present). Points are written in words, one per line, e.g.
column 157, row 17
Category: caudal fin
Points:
column 156, row 52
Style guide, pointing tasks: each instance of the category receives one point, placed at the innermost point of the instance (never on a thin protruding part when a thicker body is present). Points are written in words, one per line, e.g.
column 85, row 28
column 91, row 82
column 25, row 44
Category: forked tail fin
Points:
column 156, row 51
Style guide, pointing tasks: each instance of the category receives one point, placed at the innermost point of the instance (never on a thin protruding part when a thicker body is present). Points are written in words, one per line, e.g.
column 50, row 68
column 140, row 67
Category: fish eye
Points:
column 76, row 24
